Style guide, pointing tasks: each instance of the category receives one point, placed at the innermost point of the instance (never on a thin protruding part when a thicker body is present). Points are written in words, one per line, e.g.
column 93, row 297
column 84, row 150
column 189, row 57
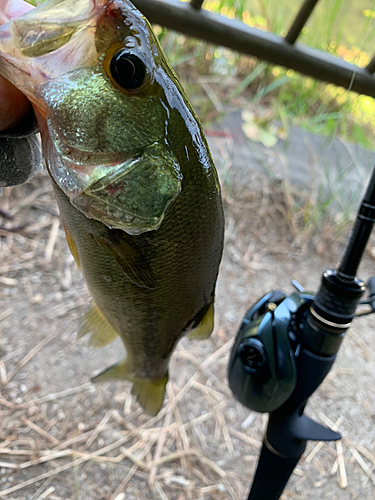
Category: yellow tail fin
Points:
column 149, row 392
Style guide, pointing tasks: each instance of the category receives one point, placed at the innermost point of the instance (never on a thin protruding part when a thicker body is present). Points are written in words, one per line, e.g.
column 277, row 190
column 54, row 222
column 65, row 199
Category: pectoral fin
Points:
column 130, row 260
column 149, row 392
column 102, row 331
column 205, row 327
column 72, row 246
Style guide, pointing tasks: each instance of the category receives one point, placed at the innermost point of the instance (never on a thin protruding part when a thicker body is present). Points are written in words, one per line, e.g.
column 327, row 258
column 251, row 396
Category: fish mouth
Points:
column 133, row 195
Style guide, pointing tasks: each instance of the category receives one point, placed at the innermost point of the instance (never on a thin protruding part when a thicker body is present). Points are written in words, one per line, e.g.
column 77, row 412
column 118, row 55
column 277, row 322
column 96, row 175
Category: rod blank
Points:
column 360, row 233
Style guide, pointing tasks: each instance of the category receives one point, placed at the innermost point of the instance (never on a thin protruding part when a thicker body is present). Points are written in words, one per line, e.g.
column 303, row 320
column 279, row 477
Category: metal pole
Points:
column 238, row 36
column 371, row 66
column 196, row 4
column 300, row 20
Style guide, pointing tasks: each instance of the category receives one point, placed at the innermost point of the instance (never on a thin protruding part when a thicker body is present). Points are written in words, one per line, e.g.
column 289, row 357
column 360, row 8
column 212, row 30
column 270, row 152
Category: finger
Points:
column 13, row 104
column 12, row 8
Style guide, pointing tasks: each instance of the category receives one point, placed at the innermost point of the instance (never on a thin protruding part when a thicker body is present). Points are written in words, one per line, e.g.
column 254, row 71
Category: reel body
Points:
column 262, row 369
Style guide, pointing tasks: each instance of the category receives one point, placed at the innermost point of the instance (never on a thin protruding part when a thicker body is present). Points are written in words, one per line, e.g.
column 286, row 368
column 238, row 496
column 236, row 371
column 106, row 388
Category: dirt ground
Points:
column 63, row 438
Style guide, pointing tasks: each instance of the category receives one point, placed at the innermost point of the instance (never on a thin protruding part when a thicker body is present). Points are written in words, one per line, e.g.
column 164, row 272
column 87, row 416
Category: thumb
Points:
column 13, row 105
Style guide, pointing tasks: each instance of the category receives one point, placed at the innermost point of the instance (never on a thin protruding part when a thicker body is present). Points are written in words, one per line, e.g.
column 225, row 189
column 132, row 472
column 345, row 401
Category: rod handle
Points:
column 271, row 476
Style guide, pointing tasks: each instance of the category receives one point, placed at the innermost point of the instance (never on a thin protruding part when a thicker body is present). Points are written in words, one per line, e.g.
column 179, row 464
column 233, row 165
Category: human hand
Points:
column 13, row 104
column 19, row 148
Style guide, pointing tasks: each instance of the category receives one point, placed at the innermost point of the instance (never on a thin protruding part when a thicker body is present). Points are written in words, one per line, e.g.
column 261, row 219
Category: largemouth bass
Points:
column 136, row 186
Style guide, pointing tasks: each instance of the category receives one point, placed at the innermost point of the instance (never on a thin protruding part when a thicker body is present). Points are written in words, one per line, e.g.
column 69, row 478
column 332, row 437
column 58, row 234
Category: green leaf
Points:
column 267, row 138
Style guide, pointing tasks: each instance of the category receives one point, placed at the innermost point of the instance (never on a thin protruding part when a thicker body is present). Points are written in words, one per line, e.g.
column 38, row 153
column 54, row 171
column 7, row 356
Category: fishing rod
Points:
column 286, row 346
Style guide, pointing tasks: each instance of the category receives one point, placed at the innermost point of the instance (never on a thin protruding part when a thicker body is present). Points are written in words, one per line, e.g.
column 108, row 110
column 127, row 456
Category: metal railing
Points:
column 192, row 20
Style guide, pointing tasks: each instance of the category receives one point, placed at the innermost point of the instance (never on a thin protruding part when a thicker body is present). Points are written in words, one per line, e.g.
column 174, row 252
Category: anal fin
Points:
column 205, row 327
column 94, row 322
column 149, row 392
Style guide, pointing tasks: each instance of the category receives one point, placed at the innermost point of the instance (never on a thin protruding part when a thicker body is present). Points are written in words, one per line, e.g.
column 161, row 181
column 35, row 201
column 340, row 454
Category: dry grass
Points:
column 83, row 442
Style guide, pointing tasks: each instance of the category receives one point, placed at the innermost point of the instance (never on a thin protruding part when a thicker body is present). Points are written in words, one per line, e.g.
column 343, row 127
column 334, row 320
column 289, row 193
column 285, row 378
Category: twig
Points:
column 244, row 437
column 40, row 431
column 182, row 440
column 133, row 470
column 128, row 454
column 65, row 467
column 220, row 472
column 335, row 466
column 172, row 457
column 121, row 496
column 29, row 199
column 362, row 450
column 22, row 453
column 314, row 452
column 217, row 354
column 160, row 444
column 185, row 354
column 343, row 482
column 52, row 239
column 29, row 357
column 8, row 465
column 225, row 432
column 5, row 314
column 6, row 403
column 100, row 427
column 47, row 493
column 208, row 391
column 129, row 475
column 204, row 417
column 40, row 490
column 165, row 410
column 58, row 395
column 8, row 281
column 160, row 491
column 213, row 97
column 362, row 463
column 73, row 440
column 46, row 458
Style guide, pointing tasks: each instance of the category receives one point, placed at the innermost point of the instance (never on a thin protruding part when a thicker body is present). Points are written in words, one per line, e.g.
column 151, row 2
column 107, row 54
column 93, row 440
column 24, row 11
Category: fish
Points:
column 137, row 190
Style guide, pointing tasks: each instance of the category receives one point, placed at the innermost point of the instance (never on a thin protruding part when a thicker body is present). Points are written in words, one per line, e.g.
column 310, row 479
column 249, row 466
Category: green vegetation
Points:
column 345, row 28
column 273, row 98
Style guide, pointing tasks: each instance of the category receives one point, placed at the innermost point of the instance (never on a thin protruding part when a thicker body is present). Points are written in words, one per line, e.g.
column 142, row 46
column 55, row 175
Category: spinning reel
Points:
column 262, row 367
column 286, row 346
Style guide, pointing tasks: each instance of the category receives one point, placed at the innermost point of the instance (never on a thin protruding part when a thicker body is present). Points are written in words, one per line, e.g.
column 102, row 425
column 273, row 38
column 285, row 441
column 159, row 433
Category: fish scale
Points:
column 136, row 186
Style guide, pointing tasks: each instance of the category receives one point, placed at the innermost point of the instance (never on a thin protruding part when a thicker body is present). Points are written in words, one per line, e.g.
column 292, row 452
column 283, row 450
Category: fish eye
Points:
column 128, row 70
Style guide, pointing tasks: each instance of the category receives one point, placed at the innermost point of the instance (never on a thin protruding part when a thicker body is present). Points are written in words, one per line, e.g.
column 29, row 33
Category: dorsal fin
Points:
column 94, row 322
